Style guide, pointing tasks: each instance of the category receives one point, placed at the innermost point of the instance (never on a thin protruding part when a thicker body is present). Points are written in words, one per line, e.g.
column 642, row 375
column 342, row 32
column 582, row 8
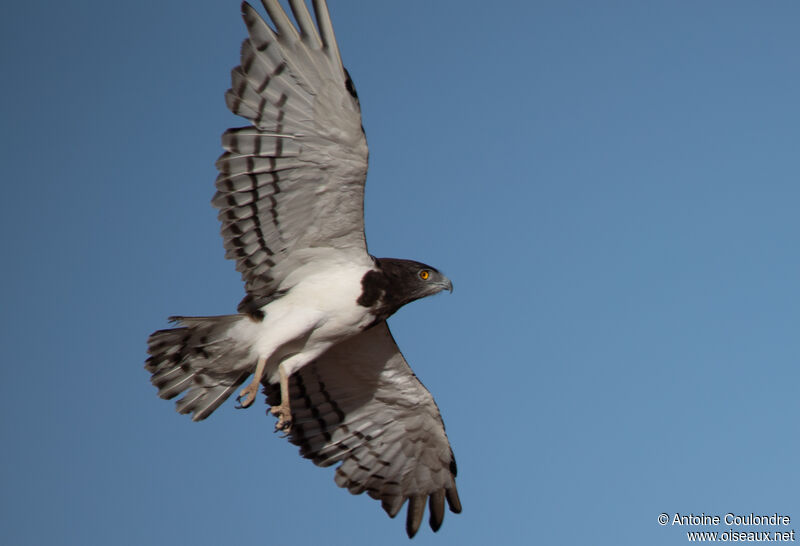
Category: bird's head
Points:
column 409, row 280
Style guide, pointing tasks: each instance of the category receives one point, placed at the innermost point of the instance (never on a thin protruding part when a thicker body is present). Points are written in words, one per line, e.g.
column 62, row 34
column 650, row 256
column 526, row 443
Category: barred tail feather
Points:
column 200, row 358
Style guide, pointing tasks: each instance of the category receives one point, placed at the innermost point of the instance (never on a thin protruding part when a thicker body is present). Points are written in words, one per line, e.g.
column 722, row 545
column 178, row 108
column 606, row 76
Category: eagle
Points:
column 311, row 328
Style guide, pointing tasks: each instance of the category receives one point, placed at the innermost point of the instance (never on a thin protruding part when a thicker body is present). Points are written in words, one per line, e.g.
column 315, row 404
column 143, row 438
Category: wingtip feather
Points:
column 326, row 31
column 416, row 509
column 436, row 508
column 452, row 500
column 303, row 17
column 392, row 505
column 280, row 20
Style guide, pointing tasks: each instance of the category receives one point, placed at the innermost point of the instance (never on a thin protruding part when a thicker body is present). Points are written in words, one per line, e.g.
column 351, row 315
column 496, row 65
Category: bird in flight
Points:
column 311, row 328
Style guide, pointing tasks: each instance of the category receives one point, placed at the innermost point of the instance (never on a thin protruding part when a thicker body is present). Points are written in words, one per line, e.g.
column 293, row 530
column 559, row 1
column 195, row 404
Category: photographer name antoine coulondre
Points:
column 730, row 519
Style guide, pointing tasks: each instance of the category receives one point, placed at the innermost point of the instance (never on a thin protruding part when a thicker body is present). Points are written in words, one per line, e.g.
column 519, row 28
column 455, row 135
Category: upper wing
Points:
column 293, row 180
column 361, row 404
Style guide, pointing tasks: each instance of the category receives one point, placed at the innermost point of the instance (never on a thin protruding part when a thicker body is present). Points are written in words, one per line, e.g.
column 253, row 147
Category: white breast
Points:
column 319, row 309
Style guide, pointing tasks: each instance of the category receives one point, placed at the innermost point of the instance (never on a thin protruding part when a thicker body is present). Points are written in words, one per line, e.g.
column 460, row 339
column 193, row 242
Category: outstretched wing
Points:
column 294, row 180
column 360, row 404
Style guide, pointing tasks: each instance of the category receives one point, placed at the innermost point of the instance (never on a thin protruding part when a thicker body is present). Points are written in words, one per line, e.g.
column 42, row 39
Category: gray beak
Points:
column 447, row 283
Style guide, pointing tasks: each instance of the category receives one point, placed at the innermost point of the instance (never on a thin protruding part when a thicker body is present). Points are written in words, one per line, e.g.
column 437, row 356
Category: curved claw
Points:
column 247, row 396
column 284, row 416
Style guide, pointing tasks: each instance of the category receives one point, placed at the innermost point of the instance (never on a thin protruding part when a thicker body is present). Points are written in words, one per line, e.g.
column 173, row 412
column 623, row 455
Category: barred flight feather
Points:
column 271, row 181
column 360, row 405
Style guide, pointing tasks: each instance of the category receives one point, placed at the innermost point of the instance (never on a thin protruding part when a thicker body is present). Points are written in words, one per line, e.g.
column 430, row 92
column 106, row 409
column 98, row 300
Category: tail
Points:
column 198, row 356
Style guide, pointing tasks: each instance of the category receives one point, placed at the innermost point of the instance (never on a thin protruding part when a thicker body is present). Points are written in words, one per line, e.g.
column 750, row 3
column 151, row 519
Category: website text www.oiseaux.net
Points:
column 731, row 534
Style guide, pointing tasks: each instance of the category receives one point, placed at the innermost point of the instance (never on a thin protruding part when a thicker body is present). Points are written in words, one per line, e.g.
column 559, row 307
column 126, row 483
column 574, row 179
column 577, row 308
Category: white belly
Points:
column 317, row 312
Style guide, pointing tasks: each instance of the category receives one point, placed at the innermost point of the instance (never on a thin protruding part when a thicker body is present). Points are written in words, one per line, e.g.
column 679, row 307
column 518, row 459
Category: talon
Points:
column 284, row 416
column 247, row 395
column 283, row 410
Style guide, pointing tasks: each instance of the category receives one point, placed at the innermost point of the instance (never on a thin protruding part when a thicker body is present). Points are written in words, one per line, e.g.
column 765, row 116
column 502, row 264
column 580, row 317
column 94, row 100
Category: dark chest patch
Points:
column 386, row 289
column 373, row 287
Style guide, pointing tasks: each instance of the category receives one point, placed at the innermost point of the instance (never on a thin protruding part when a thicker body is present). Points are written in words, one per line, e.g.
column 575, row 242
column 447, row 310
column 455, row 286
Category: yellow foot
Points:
column 248, row 395
column 284, row 415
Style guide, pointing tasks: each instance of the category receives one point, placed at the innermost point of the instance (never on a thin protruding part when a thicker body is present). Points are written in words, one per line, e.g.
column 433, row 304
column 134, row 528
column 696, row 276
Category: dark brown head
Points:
column 398, row 282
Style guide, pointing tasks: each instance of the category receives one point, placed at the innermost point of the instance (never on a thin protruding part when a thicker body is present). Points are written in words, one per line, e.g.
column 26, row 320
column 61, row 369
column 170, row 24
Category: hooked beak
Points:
column 447, row 284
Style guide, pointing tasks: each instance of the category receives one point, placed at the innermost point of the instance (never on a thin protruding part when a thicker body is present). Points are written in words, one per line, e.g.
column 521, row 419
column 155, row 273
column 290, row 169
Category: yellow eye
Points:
column 424, row 274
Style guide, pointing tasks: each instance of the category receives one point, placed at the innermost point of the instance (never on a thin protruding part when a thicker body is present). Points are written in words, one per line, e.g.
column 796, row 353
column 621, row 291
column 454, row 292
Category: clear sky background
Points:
column 613, row 187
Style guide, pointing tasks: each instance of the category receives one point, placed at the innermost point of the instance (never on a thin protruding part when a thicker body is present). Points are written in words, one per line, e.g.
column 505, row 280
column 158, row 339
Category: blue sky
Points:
column 612, row 186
